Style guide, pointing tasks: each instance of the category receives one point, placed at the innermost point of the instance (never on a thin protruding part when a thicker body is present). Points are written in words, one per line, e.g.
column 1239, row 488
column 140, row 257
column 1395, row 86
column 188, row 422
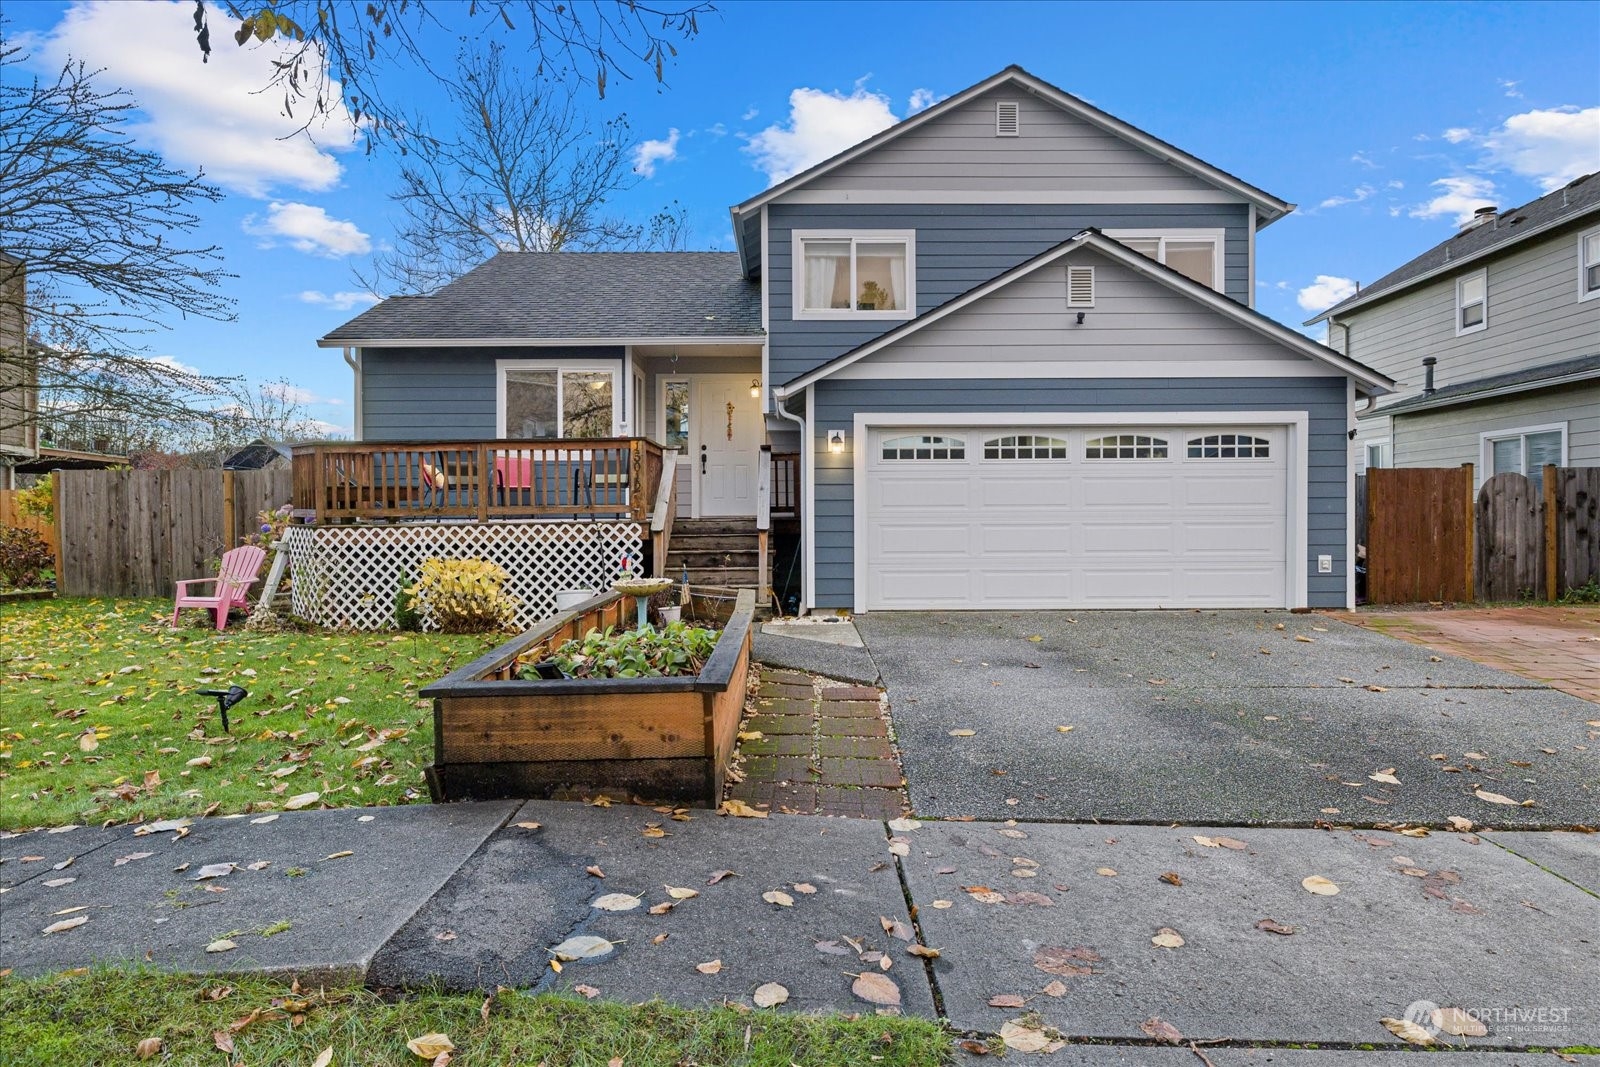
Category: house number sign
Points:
column 730, row 420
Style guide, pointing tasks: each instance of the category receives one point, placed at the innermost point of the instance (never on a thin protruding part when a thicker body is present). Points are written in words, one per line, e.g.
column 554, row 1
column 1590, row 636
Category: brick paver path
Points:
column 824, row 749
column 1557, row 645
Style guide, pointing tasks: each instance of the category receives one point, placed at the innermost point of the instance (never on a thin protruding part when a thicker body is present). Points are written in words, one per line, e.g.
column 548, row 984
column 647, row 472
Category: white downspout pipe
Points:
column 352, row 356
column 780, row 400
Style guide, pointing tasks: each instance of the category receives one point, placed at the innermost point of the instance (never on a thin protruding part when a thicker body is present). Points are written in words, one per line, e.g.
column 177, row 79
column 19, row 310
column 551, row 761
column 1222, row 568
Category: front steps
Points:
column 721, row 552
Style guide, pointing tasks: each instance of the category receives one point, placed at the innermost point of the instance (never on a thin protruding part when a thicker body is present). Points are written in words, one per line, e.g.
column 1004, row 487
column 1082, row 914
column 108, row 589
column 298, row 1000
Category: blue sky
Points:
column 1384, row 122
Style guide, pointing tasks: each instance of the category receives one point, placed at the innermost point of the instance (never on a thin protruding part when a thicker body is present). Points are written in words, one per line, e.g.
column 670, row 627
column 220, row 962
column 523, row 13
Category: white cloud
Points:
column 1457, row 134
column 647, row 154
column 308, row 228
column 343, row 300
column 1358, row 194
column 1363, row 159
column 172, row 363
column 290, row 394
column 1550, row 146
column 922, row 100
column 1460, row 197
column 717, row 129
column 1511, row 88
column 820, row 125
column 1325, row 292
column 1421, row 137
column 748, row 115
column 211, row 115
column 1395, row 184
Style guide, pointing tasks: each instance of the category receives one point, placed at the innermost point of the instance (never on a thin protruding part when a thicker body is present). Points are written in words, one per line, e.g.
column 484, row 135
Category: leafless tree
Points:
column 350, row 50
column 526, row 171
column 96, row 236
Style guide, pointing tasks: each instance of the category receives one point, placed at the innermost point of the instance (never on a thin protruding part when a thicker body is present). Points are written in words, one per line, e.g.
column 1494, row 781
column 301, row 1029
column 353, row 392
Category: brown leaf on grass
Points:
column 1407, row 1031
column 430, row 1046
column 1457, row 1022
column 150, row 1046
column 1171, row 878
column 1067, row 962
column 223, row 1039
column 876, row 988
column 324, row 1057
column 717, row 876
column 587, row 991
column 301, row 800
column 1158, row 1028
column 1273, row 926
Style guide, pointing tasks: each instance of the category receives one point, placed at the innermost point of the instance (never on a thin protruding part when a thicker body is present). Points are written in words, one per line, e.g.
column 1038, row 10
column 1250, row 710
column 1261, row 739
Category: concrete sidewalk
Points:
column 1059, row 916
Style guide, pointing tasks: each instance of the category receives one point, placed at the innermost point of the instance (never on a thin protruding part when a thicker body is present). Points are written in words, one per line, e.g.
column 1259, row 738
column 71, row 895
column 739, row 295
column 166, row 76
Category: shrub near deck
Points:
column 98, row 713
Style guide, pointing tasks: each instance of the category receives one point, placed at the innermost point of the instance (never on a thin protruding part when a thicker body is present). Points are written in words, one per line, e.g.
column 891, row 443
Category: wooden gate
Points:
column 1510, row 539
column 1572, row 528
column 1419, row 534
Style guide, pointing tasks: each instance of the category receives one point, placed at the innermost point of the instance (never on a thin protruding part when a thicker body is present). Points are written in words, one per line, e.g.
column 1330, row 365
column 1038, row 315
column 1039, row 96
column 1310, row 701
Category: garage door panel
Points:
column 1178, row 531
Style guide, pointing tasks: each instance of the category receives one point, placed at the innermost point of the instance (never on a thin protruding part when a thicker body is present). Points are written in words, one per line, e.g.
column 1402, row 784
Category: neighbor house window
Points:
column 1380, row 453
column 1195, row 254
column 1525, row 451
column 1589, row 266
column 1472, row 303
column 544, row 402
column 870, row 274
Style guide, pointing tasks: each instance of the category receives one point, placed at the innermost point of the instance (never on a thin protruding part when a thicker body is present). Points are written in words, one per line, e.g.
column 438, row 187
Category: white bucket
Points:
column 567, row 599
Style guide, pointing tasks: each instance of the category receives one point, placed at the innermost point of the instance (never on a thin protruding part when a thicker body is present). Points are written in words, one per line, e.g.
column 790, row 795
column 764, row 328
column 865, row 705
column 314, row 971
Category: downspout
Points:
column 354, row 362
column 780, row 401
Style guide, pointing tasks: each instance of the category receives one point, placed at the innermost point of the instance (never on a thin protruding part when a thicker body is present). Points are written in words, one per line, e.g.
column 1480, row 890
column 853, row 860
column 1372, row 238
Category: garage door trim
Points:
column 1295, row 423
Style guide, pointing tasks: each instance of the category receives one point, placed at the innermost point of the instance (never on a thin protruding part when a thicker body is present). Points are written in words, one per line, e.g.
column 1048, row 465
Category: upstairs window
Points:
column 1125, row 446
column 1472, row 303
column 870, row 274
column 924, row 446
column 1195, row 254
column 1589, row 266
column 1229, row 446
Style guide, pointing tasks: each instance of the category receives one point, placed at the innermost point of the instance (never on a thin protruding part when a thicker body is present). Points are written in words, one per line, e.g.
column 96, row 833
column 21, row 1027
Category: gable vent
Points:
column 1080, row 287
column 1007, row 118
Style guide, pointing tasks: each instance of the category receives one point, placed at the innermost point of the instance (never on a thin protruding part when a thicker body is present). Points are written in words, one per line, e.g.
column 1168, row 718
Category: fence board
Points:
column 1577, row 526
column 1419, row 530
column 11, row 515
column 1511, row 538
column 135, row 533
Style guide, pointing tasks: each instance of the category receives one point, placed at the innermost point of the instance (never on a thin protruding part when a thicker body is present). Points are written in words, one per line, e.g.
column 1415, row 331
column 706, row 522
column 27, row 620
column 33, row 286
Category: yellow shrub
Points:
column 462, row 596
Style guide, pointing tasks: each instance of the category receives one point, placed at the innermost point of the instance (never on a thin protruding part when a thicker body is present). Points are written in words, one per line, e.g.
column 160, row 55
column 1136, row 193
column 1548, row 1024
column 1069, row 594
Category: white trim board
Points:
column 1296, row 423
column 1009, row 196
column 750, row 340
column 1069, row 368
column 808, row 532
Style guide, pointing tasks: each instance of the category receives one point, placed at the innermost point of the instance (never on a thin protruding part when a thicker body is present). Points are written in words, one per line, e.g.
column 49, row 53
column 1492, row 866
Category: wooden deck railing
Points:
column 483, row 480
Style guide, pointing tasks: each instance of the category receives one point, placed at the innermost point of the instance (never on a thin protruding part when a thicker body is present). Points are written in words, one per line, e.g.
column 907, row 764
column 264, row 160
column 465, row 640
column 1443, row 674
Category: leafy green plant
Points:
column 405, row 616
column 269, row 527
column 1587, row 593
column 39, row 499
column 463, row 596
column 24, row 557
column 675, row 649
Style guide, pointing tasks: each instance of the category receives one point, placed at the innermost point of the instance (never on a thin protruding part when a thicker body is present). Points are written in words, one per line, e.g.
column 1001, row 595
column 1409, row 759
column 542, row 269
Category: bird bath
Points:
column 642, row 589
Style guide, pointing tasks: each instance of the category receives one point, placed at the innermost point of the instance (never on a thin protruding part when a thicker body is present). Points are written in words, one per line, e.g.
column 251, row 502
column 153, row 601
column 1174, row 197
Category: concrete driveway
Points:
column 1263, row 718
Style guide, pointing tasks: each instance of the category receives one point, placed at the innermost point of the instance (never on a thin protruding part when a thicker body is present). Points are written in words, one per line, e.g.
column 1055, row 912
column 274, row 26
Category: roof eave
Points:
column 538, row 342
column 1494, row 393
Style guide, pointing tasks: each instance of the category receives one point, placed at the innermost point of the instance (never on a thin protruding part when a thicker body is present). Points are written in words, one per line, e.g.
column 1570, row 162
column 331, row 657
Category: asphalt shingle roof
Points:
column 1524, row 380
column 551, row 295
column 1577, row 197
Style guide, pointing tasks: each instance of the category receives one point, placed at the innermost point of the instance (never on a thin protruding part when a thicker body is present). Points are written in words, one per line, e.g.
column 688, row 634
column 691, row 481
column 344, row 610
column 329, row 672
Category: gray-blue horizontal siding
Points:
column 1323, row 400
column 442, row 394
column 960, row 246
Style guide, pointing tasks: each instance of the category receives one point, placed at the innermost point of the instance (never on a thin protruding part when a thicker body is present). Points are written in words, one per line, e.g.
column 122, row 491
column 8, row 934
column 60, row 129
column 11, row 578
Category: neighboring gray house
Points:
column 1506, row 317
column 1011, row 339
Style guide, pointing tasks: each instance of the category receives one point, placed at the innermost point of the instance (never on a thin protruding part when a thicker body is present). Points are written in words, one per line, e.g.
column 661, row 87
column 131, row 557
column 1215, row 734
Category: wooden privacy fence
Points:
column 135, row 533
column 11, row 515
column 1429, row 537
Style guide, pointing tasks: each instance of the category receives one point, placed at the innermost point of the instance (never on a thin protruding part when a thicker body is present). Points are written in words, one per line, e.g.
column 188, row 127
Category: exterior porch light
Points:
column 836, row 442
column 755, row 388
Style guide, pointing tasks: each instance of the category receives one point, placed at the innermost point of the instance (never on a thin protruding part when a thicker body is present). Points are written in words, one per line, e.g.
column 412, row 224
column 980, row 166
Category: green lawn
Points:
column 99, row 719
column 101, row 1017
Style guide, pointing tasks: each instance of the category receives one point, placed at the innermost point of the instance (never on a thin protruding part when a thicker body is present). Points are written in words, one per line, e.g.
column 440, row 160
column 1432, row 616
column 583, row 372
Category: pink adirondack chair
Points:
column 234, row 578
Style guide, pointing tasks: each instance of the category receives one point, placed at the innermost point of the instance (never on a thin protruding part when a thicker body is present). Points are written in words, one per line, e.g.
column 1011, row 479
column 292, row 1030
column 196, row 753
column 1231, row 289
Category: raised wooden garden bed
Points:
column 496, row 735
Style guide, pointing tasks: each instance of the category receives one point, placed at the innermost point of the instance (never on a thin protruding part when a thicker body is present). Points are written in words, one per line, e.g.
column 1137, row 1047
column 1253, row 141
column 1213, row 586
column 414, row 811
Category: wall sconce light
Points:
column 1080, row 318
column 755, row 388
column 836, row 442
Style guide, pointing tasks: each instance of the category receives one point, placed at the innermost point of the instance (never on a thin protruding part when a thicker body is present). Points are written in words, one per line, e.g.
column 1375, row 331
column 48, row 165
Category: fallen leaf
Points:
column 582, row 947
column 740, row 809
column 832, row 948
column 901, row 826
column 1407, row 1031
column 942, row 904
column 150, row 1046
column 223, row 1039
column 429, row 1046
column 258, row 865
column 215, row 870
column 1024, row 1037
column 1007, row 1000
column 805, row 887
column 595, row 872
column 588, row 991
column 1303, row 637
column 302, row 800
column 1056, row 988
column 324, row 1057
column 129, row 858
column 66, row 924
column 876, row 988
column 895, row 928
column 87, row 742
column 1493, row 798
column 340, row 855
column 1273, row 926
column 653, row 832
column 686, row 894
column 264, row 819
column 769, row 995
column 1161, row 1030
column 1171, row 878
column 200, row 761
column 963, row 733
column 57, row 883
column 751, row 735
column 778, row 897
column 1385, row 776
column 663, row 907
column 717, row 876
column 922, row 952
column 1457, row 1022
column 615, row 902
column 1066, row 962
column 709, row 967
column 1319, row 885
column 222, row 944
column 1167, row 937
column 528, row 825
column 1106, row 872
column 1461, row 823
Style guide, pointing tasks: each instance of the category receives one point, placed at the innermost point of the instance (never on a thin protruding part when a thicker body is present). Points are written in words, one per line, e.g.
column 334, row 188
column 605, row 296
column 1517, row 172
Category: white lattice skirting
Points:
column 347, row 577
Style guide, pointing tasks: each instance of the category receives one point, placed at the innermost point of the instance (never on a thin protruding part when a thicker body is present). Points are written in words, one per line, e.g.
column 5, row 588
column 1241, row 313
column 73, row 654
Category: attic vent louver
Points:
column 1080, row 287
column 1007, row 118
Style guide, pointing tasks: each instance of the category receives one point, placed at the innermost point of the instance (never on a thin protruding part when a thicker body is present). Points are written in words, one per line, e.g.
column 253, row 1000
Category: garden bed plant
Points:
column 675, row 649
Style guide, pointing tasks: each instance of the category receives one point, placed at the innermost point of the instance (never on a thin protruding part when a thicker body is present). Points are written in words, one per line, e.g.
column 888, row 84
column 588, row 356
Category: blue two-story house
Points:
column 1010, row 340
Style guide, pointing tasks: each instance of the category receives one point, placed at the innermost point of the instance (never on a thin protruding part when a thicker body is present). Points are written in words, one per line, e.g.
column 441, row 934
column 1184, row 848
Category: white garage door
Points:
column 1114, row 517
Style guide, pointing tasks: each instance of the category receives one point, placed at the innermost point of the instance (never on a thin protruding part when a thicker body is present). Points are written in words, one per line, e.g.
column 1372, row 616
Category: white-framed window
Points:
column 1025, row 446
column 1195, row 254
column 1589, row 265
column 674, row 412
column 1125, row 446
column 1379, row 452
column 544, row 400
column 863, row 274
column 1229, row 446
column 1472, row 302
column 1524, row 450
column 924, row 446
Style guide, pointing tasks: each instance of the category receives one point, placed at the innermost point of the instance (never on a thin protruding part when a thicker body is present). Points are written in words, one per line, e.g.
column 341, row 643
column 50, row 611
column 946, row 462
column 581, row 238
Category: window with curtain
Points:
column 1472, row 303
column 1192, row 254
column 556, row 402
column 848, row 276
column 1525, row 452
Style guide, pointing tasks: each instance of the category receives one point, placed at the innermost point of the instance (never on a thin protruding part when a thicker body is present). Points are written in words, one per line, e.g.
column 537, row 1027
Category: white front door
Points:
column 727, row 443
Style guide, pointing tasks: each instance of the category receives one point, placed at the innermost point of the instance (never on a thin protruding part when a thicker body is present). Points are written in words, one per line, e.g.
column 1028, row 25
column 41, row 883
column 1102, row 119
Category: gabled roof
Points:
column 1526, row 380
column 1577, row 199
column 1369, row 381
column 579, row 297
column 1268, row 207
